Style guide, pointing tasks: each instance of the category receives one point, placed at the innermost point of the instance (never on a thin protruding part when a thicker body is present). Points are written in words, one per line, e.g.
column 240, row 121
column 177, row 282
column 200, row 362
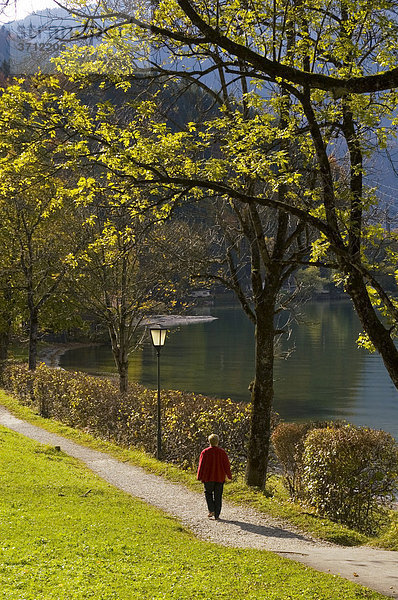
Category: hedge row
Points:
column 347, row 473
column 94, row 405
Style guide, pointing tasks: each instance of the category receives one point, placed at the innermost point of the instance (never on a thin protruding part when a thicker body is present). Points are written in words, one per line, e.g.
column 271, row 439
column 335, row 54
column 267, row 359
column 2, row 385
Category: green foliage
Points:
column 351, row 474
column 96, row 406
column 39, row 225
column 288, row 441
column 389, row 535
column 311, row 280
column 67, row 535
column 309, row 85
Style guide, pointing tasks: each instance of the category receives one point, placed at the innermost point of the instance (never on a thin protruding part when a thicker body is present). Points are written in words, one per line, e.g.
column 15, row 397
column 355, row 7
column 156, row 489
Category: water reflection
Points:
column 323, row 373
column 326, row 376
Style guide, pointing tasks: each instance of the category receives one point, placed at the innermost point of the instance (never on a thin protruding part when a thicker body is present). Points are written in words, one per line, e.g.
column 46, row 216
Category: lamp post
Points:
column 158, row 337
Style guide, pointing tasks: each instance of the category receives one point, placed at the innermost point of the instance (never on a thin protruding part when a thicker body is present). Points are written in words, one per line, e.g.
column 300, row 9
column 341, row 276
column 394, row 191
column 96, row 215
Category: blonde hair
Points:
column 213, row 439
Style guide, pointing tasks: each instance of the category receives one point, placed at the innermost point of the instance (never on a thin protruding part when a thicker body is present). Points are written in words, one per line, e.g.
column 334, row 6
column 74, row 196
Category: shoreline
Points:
column 51, row 354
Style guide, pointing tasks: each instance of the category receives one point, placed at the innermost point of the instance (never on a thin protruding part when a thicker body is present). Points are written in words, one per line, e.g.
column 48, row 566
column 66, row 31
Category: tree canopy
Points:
column 330, row 68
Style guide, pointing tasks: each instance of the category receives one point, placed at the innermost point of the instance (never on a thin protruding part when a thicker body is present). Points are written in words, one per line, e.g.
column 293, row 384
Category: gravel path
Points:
column 239, row 527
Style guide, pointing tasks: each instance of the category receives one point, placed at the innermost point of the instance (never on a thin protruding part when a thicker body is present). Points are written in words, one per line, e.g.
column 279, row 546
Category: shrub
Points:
column 288, row 442
column 18, row 379
column 351, row 475
column 95, row 405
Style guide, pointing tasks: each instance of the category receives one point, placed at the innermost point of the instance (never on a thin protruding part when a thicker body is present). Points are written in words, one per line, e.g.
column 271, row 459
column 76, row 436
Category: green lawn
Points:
column 66, row 534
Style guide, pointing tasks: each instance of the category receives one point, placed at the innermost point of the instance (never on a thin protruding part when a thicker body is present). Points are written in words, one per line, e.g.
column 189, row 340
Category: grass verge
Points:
column 66, row 534
column 274, row 501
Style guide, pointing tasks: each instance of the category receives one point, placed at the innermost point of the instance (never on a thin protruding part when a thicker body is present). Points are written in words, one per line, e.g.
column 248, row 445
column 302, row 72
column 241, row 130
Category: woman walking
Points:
column 213, row 469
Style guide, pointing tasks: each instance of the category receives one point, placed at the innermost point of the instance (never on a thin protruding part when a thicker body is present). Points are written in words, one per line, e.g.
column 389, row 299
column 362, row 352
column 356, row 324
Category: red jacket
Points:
column 214, row 465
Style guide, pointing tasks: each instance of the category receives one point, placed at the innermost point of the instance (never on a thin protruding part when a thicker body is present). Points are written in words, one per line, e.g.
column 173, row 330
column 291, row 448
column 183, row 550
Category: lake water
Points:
column 325, row 377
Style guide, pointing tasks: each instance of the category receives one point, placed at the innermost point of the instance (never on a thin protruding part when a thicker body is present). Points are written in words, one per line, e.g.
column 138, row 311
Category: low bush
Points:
column 288, row 442
column 94, row 404
column 351, row 475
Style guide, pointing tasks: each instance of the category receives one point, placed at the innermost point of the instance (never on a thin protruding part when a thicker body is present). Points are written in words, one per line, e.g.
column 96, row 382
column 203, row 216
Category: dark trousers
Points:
column 213, row 494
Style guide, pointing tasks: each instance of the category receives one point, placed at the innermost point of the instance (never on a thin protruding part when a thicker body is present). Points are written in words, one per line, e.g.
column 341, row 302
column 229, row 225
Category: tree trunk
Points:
column 5, row 334
column 4, row 345
column 120, row 355
column 33, row 338
column 378, row 334
column 123, row 367
column 262, row 398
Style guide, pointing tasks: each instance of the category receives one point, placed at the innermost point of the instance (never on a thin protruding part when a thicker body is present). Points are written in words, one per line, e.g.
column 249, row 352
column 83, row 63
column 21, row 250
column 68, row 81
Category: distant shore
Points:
column 51, row 354
column 176, row 320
